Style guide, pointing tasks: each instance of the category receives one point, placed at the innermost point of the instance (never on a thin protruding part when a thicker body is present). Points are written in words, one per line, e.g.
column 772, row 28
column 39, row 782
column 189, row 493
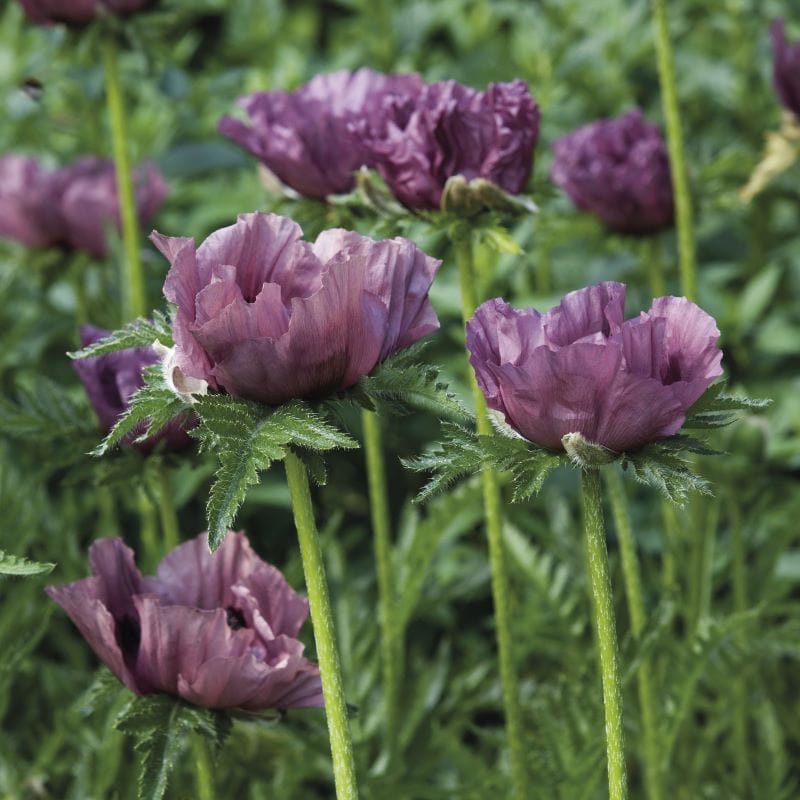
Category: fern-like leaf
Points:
column 715, row 409
column 141, row 332
column 247, row 438
column 159, row 724
column 150, row 409
column 16, row 565
column 402, row 382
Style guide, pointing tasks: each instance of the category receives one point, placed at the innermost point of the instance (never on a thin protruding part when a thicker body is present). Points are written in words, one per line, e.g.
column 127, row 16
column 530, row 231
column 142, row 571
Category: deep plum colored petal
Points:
column 617, row 169
column 114, row 564
column 786, row 67
column 448, row 129
column 47, row 12
column 309, row 138
column 28, row 203
column 580, row 369
column 90, row 203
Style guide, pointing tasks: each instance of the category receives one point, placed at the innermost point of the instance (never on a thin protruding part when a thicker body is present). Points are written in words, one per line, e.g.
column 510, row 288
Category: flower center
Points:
column 235, row 618
column 129, row 634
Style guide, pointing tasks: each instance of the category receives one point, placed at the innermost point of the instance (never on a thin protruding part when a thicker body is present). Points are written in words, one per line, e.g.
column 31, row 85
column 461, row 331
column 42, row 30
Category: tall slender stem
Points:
column 654, row 265
column 633, row 591
column 705, row 518
column 739, row 580
column 381, row 530
column 170, row 529
column 132, row 289
column 203, row 775
column 344, row 769
column 602, row 600
column 497, row 555
column 677, row 153
column 670, row 522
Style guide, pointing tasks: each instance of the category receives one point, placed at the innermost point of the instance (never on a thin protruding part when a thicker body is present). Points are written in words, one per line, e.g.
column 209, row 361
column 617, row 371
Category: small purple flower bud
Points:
column 786, row 68
column 111, row 380
column 266, row 316
column 618, row 170
column 70, row 207
column 218, row 630
column 308, row 137
column 448, row 129
column 48, row 12
column 581, row 368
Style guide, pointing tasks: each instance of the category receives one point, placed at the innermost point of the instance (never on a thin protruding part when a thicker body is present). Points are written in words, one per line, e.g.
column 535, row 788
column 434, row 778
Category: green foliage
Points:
column 149, row 410
column 247, row 438
column 159, row 725
column 141, row 332
column 463, row 452
column 715, row 409
column 402, row 382
column 16, row 565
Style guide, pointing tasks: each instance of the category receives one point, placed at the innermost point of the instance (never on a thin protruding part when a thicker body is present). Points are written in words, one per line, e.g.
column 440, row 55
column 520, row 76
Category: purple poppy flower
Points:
column 580, row 368
column 266, row 316
column 218, row 630
column 47, row 12
column 308, row 137
column 448, row 129
column 111, row 380
column 29, row 203
column 786, row 68
column 617, row 169
column 69, row 207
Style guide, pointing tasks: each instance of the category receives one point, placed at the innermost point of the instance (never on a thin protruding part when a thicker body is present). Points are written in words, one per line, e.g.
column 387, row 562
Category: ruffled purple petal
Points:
column 47, row 12
column 309, row 137
column 617, row 169
column 786, row 67
column 28, row 211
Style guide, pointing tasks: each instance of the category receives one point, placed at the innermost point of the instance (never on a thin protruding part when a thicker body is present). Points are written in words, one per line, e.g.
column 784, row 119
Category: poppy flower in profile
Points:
column 70, row 207
column 786, row 67
column 111, row 380
column 618, row 170
column 49, row 12
column 449, row 130
column 582, row 368
column 266, row 316
column 218, row 630
column 309, row 138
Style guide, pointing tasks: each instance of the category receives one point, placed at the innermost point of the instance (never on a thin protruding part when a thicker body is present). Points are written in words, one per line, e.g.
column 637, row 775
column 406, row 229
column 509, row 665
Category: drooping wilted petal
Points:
column 216, row 629
column 269, row 317
column 448, row 129
column 617, row 169
column 309, row 137
column 580, row 369
column 786, row 67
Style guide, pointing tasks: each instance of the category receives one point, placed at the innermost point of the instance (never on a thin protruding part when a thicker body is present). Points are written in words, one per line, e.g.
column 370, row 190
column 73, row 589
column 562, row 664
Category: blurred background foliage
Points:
column 184, row 65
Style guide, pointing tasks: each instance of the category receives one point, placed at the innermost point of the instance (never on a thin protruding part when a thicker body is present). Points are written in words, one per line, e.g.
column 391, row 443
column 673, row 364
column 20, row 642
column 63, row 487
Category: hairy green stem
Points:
column 203, row 775
column 170, row 529
column 344, row 768
column 148, row 528
column 677, row 153
column 705, row 518
column 603, row 603
column 134, row 303
column 391, row 652
column 669, row 520
column 497, row 555
column 739, row 580
column 633, row 590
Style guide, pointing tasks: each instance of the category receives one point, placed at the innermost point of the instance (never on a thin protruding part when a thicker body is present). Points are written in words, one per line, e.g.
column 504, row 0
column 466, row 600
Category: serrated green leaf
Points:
column 151, row 408
column 159, row 724
column 715, row 409
column 16, row 565
column 141, row 332
column 401, row 382
column 660, row 467
column 247, row 438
